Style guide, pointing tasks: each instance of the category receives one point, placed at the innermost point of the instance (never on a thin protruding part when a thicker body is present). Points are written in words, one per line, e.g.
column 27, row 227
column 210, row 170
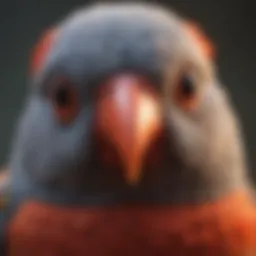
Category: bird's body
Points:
column 221, row 228
column 128, row 145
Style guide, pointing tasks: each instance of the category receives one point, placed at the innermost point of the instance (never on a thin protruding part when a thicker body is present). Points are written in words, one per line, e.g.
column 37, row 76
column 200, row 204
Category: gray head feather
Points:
column 206, row 159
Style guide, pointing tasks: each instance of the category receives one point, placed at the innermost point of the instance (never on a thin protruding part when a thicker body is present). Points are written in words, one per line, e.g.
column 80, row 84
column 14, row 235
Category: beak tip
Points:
column 133, row 180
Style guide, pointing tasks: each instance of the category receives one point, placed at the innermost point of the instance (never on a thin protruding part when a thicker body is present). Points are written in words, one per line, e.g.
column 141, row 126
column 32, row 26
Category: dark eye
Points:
column 186, row 92
column 187, row 87
column 65, row 101
column 62, row 97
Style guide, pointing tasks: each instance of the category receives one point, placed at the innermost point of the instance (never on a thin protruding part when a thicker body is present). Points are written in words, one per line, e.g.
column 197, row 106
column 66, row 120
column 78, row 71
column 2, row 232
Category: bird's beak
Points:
column 128, row 116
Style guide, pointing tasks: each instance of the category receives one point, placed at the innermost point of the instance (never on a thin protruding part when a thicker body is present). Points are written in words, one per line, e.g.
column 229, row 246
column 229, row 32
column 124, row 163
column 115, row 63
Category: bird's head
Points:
column 125, row 96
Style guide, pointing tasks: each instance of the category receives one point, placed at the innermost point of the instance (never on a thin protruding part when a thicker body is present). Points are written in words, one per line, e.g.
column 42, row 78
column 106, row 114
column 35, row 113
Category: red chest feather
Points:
column 220, row 229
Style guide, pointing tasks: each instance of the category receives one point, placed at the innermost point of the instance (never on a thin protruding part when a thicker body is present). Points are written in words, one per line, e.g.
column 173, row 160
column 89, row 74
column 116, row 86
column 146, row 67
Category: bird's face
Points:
column 125, row 97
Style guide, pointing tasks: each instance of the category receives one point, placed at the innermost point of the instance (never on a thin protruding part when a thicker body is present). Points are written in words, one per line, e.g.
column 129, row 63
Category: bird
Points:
column 128, row 143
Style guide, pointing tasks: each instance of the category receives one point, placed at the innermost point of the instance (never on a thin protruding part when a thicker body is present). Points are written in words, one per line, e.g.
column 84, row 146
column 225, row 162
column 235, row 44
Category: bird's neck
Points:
column 165, row 191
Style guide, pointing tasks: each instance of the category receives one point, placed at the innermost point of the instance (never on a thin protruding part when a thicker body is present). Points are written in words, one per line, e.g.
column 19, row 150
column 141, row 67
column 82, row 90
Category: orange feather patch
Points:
column 223, row 228
column 41, row 50
column 205, row 44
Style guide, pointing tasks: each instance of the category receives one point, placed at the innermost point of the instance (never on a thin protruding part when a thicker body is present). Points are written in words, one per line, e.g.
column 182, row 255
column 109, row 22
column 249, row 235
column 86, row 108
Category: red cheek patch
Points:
column 41, row 50
column 205, row 44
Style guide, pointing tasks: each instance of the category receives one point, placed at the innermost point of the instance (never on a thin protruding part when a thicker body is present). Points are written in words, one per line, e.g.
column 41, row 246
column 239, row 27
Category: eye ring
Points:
column 64, row 99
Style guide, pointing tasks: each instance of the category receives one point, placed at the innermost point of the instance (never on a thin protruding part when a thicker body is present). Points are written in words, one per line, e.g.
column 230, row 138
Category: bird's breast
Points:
column 227, row 227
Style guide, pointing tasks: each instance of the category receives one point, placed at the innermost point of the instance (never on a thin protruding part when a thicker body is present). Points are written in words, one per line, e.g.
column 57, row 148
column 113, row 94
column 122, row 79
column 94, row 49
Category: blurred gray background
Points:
column 229, row 23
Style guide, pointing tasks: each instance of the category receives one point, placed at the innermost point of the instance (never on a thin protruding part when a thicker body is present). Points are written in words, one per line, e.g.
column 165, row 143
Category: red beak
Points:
column 128, row 116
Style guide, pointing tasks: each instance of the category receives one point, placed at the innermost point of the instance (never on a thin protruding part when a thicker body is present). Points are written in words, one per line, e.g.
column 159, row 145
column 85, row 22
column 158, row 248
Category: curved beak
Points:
column 128, row 116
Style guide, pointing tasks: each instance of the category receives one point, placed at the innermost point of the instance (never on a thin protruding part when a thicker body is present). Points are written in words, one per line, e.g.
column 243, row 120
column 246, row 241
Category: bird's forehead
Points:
column 124, row 15
column 102, row 40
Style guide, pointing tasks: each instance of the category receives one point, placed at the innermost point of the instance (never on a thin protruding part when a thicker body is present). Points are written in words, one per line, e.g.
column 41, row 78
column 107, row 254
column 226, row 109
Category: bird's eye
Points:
column 186, row 92
column 65, row 102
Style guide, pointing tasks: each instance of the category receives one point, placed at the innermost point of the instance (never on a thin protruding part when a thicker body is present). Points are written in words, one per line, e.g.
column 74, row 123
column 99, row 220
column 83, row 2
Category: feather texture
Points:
column 224, row 228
